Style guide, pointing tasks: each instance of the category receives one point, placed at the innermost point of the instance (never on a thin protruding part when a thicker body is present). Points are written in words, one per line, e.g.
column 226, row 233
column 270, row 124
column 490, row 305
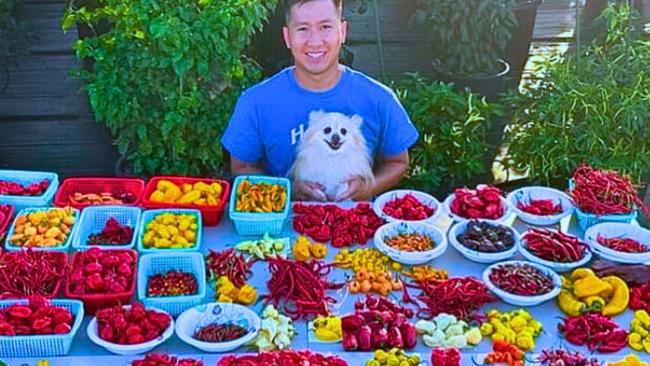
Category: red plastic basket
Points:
column 5, row 224
column 94, row 302
column 63, row 261
column 211, row 214
column 87, row 185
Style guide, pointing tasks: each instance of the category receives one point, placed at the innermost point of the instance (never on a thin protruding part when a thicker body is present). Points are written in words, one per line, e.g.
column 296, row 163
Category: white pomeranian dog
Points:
column 331, row 152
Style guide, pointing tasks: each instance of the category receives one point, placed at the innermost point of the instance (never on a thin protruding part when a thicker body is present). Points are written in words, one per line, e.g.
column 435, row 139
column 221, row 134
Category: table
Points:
column 84, row 352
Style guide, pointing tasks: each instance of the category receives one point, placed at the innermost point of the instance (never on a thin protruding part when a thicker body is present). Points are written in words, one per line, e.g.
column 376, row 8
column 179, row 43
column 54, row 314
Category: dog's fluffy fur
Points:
column 331, row 152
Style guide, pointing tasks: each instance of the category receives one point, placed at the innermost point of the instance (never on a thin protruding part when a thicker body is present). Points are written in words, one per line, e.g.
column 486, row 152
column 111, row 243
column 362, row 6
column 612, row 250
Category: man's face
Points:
column 314, row 34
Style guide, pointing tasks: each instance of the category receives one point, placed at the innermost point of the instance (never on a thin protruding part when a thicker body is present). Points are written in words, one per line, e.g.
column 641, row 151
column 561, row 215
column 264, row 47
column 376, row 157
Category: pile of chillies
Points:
column 445, row 357
column 343, row 227
column 301, row 283
column 625, row 245
column 172, row 283
column 604, row 192
column 98, row 271
column 285, row 357
column 228, row 263
column 504, row 352
column 459, row 296
column 16, row 189
column 157, row 359
column 131, row 326
column 113, row 233
column 540, row 207
column 560, row 357
column 521, row 279
column 640, row 297
column 410, row 242
column 554, row 245
column 29, row 272
column 36, row 317
column 217, row 333
column 408, row 207
column 599, row 333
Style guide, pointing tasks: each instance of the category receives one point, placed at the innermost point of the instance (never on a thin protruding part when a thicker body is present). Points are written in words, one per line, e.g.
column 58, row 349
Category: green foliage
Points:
column 593, row 108
column 167, row 76
column 468, row 36
column 451, row 150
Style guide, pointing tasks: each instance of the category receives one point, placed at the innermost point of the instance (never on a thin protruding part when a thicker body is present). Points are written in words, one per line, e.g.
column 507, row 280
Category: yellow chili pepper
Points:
column 318, row 250
column 589, row 286
column 301, row 249
column 569, row 304
column 620, row 298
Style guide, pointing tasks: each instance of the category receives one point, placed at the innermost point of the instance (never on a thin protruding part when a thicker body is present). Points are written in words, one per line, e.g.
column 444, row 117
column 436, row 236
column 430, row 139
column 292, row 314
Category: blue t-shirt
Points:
column 270, row 118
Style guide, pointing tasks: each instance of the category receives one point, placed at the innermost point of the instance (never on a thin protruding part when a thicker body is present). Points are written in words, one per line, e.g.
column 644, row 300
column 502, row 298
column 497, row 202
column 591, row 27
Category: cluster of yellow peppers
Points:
column 639, row 338
column 170, row 230
column 394, row 357
column 427, row 273
column 516, row 327
column 260, row 197
column 199, row 193
column 368, row 259
column 48, row 228
column 629, row 360
column 228, row 292
column 584, row 292
column 328, row 328
column 303, row 249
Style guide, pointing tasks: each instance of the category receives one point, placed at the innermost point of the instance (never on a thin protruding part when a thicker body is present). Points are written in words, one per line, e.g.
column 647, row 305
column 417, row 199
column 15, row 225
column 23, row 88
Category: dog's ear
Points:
column 316, row 115
column 356, row 120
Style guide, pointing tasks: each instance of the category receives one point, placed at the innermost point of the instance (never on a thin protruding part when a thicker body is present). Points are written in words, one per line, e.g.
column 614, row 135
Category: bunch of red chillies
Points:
column 228, row 263
column 17, row 189
column 217, row 333
column 445, row 357
column 133, row 326
column 5, row 215
column 36, row 317
column 98, row 271
column 640, row 297
column 285, row 357
column 343, row 227
column 521, row 279
column 113, row 233
column 172, row 283
column 407, row 207
column 30, row 272
column 459, row 296
column 560, row 357
column 540, row 207
column 599, row 333
column 301, row 283
column 604, row 192
column 157, row 359
column 625, row 245
column 554, row 245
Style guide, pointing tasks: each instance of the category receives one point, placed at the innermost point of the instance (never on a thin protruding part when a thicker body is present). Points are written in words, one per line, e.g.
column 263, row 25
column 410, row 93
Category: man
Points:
column 270, row 117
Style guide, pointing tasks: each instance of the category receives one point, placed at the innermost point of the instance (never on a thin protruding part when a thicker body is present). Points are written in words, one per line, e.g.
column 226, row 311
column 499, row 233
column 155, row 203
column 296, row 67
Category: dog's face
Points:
column 334, row 132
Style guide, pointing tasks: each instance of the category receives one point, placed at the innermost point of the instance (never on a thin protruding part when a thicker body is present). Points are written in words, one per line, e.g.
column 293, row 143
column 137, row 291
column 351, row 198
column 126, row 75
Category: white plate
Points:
column 525, row 194
column 556, row 266
column 505, row 217
column 616, row 229
column 481, row 257
column 412, row 258
column 426, row 199
column 519, row 300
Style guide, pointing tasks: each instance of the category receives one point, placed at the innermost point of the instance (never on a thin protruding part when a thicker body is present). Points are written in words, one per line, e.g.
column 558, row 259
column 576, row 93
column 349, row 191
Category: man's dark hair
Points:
column 289, row 4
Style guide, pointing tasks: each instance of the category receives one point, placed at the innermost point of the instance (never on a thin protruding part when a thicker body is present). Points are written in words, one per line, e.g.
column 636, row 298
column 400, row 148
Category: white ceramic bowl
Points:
column 556, row 266
column 216, row 312
column 617, row 229
column 427, row 199
column 413, row 258
column 526, row 194
column 447, row 206
column 519, row 300
column 481, row 257
column 129, row 349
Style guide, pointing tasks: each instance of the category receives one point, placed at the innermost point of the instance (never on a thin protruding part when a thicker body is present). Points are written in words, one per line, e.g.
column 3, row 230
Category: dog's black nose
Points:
column 335, row 138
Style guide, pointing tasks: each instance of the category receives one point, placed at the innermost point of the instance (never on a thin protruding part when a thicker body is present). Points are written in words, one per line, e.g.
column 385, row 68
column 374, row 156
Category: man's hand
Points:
column 308, row 191
column 358, row 190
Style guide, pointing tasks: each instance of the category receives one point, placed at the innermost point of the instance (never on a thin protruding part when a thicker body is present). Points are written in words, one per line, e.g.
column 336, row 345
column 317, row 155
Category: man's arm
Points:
column 389, row 170
column 238, row 167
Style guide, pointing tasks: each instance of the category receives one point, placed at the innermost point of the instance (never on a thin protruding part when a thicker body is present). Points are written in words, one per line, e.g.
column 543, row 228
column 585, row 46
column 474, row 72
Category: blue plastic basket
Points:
column 42, row 345
column 587, row 220
column 161, row 263
column 148, row 215
column 61, row 248
column 258, row 223
column 94, row 218
column 25, row 177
